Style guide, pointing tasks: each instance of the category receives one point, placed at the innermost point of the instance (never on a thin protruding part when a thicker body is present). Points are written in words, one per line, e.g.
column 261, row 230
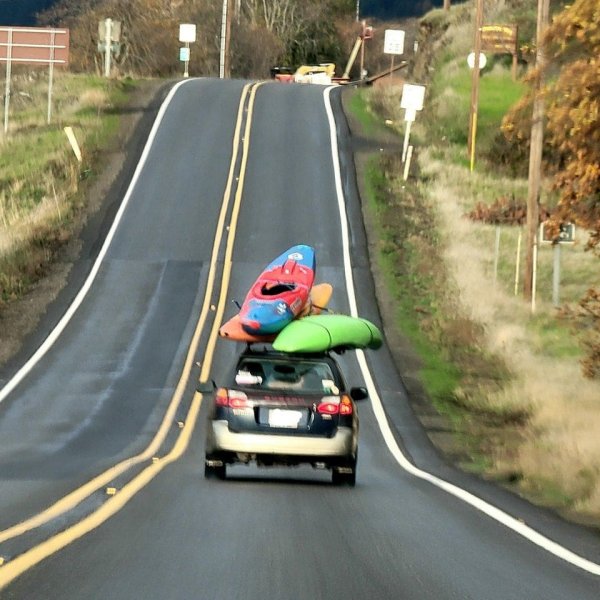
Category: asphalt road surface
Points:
column 102, row 492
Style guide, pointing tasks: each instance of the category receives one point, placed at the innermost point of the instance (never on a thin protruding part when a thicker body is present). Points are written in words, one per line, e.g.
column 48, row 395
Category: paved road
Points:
column 100, row 394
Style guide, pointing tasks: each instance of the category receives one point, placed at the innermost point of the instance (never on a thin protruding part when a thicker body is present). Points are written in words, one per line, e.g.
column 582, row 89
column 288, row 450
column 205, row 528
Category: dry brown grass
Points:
column 558, row 457
column 40, row 178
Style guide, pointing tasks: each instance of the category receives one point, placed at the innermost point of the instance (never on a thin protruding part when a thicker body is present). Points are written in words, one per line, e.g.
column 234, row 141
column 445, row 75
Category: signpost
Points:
column 187, row 34
column 33, row 46
column 411, row 101
column 566, row 235
column 501, row 39
column 393, row 44
column 109, row 33
column 366, row 34
column 471, row 60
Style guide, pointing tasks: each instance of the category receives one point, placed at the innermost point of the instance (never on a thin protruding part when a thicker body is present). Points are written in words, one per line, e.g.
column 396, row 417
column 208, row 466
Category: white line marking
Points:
column 481, row 505
column 64, row 321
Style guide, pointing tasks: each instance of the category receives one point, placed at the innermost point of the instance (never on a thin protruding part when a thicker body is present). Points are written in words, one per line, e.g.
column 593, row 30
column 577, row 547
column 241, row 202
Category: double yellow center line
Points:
column 15, row 567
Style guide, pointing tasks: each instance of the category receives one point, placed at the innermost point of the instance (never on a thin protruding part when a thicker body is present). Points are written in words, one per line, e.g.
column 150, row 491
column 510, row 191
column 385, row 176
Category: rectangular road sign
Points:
column 393, row 42
column 499, row 39
column 34, row 45
column 412, row 96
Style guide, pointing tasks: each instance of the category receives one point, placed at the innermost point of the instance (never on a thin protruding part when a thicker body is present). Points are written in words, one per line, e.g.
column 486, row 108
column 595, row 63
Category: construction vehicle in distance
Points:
column 322, row 74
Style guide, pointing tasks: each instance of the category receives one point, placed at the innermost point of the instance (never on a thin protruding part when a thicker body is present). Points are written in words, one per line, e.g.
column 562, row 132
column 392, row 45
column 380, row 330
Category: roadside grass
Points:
column 532, row 422
column 41, row 182
column 541, row 348
column 456, row 371
column 369, row 122
column 447, row 116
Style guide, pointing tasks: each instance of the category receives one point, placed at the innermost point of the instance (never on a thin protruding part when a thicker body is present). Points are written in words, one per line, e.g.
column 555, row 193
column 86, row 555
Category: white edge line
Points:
column 77, row 301
column 476, row 502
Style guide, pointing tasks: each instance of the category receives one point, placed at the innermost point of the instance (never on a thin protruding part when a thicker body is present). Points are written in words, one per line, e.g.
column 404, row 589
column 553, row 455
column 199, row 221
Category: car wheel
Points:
column 215, row 472
column 345, row 477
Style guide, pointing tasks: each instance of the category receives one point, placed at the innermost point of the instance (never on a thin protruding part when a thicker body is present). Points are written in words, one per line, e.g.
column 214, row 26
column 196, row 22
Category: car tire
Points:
column 211, row 472
column 347, row 479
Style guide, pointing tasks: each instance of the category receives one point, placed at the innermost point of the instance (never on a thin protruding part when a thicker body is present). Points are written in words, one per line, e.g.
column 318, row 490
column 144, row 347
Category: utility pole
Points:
column 475, row 81
column 228, row 42
column 225, row 29
column 446, row 4
column 535, row 155
column 362, row 50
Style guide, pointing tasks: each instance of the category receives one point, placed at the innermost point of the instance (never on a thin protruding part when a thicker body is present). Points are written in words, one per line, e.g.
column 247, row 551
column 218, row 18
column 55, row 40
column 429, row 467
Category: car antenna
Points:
column 237, row 304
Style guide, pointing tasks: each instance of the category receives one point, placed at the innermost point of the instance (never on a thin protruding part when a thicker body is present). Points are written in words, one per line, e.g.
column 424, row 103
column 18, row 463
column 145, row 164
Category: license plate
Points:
column 284, row 418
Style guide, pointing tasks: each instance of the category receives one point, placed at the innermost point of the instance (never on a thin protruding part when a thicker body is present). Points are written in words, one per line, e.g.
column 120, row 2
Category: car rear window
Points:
column 306, row 376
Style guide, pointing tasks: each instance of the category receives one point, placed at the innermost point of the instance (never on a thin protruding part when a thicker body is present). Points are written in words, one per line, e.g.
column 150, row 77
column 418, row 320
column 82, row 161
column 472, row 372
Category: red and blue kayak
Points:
column 320, row 294
column 280, row 293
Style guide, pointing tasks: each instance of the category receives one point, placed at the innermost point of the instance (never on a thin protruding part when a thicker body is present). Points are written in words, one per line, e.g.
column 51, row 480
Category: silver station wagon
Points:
column 284, row 409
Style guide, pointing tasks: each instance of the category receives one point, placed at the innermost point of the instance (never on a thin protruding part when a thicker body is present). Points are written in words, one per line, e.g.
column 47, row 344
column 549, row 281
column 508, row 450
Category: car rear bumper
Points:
column 343, row 443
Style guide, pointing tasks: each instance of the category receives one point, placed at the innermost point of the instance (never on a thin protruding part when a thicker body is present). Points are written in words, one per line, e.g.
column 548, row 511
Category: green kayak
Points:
column 319, row 333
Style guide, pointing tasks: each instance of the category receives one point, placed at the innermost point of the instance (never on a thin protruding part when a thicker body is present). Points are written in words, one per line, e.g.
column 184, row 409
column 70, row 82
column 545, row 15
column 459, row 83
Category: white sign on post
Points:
column 187, row 35
column 410, row 114
column 471, row 60
column 187, row 32
column 412, row 101
column 412, row 96
column 393, row 42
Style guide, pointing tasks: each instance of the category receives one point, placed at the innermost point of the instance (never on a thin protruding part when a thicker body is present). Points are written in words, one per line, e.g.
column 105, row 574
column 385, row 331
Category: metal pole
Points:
column 50, row 75
column 8, row 75
column 406, row 136
column 107, row 42
column 392, row 66
column 556, row 276
column 407, row 163
column 357, row 10
column 186, row 72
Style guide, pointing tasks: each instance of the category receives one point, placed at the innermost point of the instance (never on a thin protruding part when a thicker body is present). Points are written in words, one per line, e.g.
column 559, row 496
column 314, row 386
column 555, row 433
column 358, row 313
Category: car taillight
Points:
column 332, row 405
column 231, row 398
column 345, row 406
column 328, row 408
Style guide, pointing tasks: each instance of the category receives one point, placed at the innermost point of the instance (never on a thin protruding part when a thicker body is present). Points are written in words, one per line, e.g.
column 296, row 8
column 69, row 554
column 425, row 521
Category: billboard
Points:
column 34, row 45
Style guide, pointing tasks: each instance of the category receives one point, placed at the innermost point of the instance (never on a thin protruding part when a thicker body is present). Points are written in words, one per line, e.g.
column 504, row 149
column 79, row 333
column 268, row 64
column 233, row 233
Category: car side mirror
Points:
column 359, row 393
column 206, row 387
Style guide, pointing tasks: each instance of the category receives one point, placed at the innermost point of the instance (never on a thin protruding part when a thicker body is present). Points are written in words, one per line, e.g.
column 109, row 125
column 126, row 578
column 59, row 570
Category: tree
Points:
column 573, row 101
column 572, row 140
column 306, row 28
column 574, row 131
column 264, row 32
column 149, row 30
